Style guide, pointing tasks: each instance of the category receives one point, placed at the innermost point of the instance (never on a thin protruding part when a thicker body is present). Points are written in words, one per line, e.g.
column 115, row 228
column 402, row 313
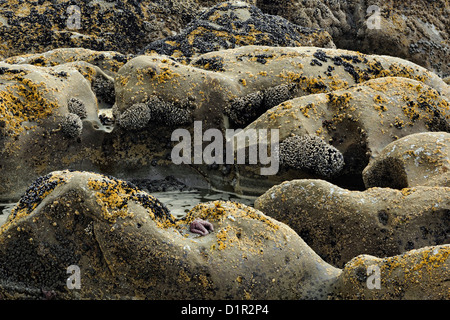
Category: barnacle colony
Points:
column 236, row 142
column 310, row 152
column 139, row 115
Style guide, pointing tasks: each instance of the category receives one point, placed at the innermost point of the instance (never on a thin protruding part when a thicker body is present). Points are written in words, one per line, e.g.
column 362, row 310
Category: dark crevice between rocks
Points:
column 389, row 173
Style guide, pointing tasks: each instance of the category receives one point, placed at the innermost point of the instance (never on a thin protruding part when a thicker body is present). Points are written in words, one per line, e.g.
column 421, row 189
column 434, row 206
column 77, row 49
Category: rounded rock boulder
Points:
column 128, row 245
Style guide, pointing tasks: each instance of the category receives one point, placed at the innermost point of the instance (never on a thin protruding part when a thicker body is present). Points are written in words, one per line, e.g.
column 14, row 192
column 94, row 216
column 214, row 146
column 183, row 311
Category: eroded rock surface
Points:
column 252, row 82
column 359, row 122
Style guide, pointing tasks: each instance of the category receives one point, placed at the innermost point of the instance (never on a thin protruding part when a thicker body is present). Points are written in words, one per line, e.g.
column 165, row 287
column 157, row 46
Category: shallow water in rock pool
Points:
column 178, row 202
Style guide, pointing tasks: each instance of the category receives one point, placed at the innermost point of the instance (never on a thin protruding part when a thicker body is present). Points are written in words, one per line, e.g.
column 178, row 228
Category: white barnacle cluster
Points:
column 243, row 110
column 76, row 106
column 71, row 125
column 135, row 117
column 154, row 110
column 311, row 153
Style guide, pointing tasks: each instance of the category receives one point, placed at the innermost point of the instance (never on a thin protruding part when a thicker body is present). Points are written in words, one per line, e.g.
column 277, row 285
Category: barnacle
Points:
column 71, row 125
column 76, row 106
column 134, row 118
column 167, row 113
column 244, row 110
column 103, row 89
column 275, row 95
column 310, row 152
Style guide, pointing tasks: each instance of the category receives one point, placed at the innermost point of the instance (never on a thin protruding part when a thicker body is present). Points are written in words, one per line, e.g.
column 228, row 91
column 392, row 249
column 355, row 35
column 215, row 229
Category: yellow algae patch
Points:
column 165, row 75
column 114, row 196
column 23, row 101
column 415, row 265
column 306, row 108
column 308, row 84
column 409, row 275
column 224, row 210
column 432, row 258
column 110, row 197
column 379, row 99
column 339, row 101
column 222, row 237
column 407, row 191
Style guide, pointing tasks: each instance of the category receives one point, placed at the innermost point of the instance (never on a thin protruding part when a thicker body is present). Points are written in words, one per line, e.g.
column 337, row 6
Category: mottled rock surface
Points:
column 359, row 122
column 340, row 224
column 175, row 95
column 128, row 245
column 101, row 86
column 35, row 120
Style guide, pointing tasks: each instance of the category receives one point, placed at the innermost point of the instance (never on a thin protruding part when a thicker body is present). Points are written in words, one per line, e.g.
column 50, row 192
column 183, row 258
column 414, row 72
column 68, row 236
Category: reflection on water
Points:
column 5, row 210
column 178, row 202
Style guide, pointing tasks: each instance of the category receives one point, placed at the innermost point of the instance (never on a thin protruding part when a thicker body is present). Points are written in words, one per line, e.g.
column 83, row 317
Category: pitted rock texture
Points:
column 305, row 69
column 420, row 274
column 176, row 95
column 359, row 122
column 35, row 118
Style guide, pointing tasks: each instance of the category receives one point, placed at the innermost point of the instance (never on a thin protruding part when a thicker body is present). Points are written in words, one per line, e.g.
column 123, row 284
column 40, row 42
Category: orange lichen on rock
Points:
column 23, row 101
column 114, row 195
